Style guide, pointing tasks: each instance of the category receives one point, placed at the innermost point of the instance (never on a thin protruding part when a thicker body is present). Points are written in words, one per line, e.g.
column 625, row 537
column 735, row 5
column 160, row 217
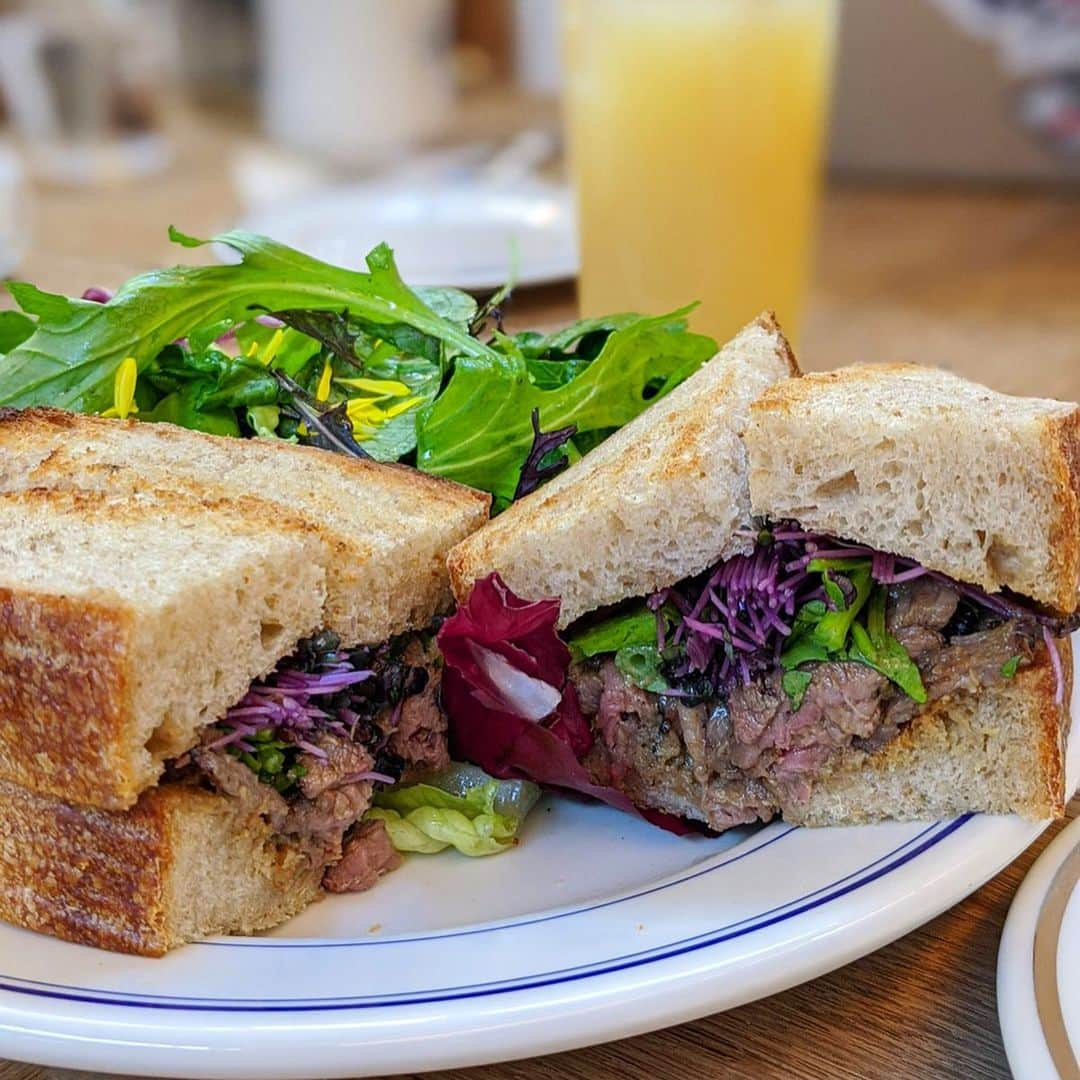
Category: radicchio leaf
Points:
column 533, row 473
column 486, row 729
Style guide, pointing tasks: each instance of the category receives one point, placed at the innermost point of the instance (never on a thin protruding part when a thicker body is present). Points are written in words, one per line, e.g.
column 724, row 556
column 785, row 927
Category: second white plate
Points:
column 470, row 236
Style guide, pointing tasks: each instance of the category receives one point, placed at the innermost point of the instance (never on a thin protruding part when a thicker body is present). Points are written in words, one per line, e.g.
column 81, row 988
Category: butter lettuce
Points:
column 461, row 807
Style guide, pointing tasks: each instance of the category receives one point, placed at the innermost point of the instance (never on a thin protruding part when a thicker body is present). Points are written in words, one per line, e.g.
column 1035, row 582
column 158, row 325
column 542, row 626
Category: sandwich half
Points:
column 202, row 687
column 874, row 625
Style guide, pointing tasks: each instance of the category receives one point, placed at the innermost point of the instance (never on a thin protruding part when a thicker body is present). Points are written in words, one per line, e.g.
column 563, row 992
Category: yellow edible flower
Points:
column 127, row 375
column 322, row 393
column 381, row 387
column 368, row 413
column 272, row 346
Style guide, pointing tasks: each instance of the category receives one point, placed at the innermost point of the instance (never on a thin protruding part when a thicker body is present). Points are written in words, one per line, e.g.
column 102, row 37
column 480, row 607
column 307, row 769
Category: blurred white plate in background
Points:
column 469, row 235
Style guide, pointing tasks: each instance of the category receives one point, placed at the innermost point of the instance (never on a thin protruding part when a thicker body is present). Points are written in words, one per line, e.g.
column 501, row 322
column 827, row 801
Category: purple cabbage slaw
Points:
column 734, row 620
column 285, row 701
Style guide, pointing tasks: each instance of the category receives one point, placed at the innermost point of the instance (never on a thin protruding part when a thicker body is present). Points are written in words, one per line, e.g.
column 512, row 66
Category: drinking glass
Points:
column 695, row 135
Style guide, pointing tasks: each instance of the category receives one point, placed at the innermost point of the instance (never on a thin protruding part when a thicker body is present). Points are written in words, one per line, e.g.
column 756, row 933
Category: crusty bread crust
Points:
column 661, row 499
column 919, row 462
column 182, row 864
column 1001, row 751
column 389, row 527
column 128, row 623
column 49, row 679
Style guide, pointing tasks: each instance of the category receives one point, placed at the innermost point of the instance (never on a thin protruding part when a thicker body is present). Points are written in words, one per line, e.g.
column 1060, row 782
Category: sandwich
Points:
column 839, row 598
column 212, row 653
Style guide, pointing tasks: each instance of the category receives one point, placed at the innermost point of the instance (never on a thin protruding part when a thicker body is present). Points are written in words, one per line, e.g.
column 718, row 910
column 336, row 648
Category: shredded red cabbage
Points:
column 285, row 702
column 733, row 620
column 486, row 713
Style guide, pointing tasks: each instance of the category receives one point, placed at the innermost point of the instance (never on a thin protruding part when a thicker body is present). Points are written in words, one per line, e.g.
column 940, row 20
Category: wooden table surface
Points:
column 984, row 282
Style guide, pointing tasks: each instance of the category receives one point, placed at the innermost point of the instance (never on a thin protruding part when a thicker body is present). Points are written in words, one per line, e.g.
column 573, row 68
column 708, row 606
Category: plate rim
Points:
column 1022, row 1032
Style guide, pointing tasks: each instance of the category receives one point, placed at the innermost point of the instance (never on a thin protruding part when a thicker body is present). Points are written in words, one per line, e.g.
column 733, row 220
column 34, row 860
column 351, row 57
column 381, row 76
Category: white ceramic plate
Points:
column 596, row 927
column 1038, row 975
column 468, row 235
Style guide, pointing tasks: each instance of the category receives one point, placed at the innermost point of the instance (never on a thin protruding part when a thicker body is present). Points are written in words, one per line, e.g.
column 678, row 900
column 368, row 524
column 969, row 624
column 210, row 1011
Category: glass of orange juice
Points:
column 695, row 131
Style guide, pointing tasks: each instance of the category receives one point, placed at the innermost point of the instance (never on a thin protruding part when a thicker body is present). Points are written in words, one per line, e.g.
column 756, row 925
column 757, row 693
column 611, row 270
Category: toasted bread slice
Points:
column 390, row 527
column 918, row 462
column 127, row 623
column 661, row 499
column 1001, row 751
column 181, row 864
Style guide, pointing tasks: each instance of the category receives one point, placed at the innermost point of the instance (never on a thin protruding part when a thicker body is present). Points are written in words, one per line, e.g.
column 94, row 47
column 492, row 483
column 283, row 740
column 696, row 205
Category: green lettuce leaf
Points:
column 636, row 627
column 478, row 431
column 460, row 807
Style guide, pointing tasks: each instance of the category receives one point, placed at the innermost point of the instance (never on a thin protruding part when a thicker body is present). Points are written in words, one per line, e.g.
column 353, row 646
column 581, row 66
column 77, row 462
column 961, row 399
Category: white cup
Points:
column 355, row 81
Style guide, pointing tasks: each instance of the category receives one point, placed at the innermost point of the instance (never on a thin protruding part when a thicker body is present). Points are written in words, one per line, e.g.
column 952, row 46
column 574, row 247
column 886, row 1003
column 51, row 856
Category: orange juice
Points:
column 696, row 132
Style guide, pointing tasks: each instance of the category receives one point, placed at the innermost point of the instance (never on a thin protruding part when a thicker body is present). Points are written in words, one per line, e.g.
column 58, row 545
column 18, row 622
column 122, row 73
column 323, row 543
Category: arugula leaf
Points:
column 833, row 591
column 549, row 374
column 819, row 566
column 641, row 664
column 802, row 648
column 891, row 659
column 15, row 328
column 820, row 634
column 877, row 648
column 1009, row 668
column 330, row 329
column 263, row 420
column 635, row 627
column 795, row 684
column 70, row 359
column 183, row 407
column 833, row 628
column 295, row 350
column 576, row 337
column 452, row 304
column 478, row 430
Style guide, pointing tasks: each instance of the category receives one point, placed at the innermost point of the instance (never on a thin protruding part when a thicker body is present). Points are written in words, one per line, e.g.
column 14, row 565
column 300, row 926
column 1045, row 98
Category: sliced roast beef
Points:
column 345, row 761
column 388, row 721
column 924, row 602
column 325, row 818
column 233, row 778
column 661, row 751
column 368, row 854
column 784, row 747
column 419, row 735
column 974, row 661
column 735, row 760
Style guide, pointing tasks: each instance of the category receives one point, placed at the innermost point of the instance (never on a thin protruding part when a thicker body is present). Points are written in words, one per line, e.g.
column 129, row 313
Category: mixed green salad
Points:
column 280, row 345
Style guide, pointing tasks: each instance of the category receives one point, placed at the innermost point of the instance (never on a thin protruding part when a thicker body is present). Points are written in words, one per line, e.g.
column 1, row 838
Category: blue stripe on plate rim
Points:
column 781, row 914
